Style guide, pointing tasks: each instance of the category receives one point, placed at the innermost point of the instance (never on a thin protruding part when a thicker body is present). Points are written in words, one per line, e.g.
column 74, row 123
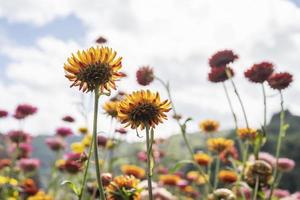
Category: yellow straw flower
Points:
column 87, row 140
column 143, row 108
column 169, row 179
column 77, row 147
column 247, row 133
column 95, row 67
column 209, row 126
column 219, row 144
column 123, row 186
column 196, row 177
column 133, row 170
column 111, row 108
column 83, row 130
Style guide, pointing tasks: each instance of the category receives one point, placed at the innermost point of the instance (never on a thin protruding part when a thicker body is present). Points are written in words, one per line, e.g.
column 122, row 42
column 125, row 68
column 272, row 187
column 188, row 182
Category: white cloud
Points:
column 175, row 37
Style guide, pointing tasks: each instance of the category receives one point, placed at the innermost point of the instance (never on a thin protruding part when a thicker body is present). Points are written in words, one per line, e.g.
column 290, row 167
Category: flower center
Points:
column 144, row 113
column 95, row 75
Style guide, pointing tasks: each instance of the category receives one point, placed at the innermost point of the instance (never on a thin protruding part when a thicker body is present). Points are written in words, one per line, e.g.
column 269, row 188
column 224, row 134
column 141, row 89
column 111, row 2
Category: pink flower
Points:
column 142, row 156
column 278, row 193
column 64, row 132
column 3, row 113
column 73, row 156
column 24, row 110
column 286, row 164
column 55, row 143
column 25, row 150
column 29, row 164
column 68, row 118
column 18, row 136
column 265, row 157
column 182, row 183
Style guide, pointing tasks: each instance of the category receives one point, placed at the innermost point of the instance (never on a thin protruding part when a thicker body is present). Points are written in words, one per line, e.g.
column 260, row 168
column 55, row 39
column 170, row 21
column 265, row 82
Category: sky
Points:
column 174, row 37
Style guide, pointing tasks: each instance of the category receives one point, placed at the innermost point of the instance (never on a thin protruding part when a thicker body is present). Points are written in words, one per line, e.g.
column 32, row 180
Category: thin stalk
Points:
column 254, row 194
column 149, row 153
column 98, row 172
column 265, row 105
column 239, row 97
column 217, row 168
column 279, row 141
column 230, row 106
column 86, row 170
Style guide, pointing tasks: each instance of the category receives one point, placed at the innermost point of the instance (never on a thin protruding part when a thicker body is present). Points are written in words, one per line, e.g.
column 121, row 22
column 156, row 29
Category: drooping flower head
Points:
column 260, row 72
column 18, row 136
column 144, row 75
column 124, row 186
column 3, row 113
column 202, row 159
column 209, row 126
column 29, row 164
column 55, row 143
column 219, row 144
column 247, row 133
column 227, row 176
column 111, row 108
column 220, row 74
column 222, row 58
column 68, row 118
column 24, row 110
column 64, row 132
column 280, row 81
column 260, row 169
column 95, row 67
column 133, row 170
column 143, row 108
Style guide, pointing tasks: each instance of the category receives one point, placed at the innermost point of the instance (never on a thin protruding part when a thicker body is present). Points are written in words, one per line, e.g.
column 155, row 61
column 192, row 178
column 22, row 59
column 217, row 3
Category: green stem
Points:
column 254, row 194
column 230, row 105
column 217, row 168
column 239, row 97
column 149, row 153
column 265, row 105
column 86, row 170
column 98, row 172
column 279, row 141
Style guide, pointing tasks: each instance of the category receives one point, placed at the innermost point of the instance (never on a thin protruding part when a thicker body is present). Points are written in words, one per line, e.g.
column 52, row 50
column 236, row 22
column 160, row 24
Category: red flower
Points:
column 18, row 136
column 260, row 72
column 280, row 81
column 144, row 75
column 3, row 113
column 101, row 40
column 64, row 132
column 4, row 163
column 68, row 118
column 24, row 110
column 29, row 187
column 229, row 153
column 218, row 74
column 222, row 58
column 72, row 166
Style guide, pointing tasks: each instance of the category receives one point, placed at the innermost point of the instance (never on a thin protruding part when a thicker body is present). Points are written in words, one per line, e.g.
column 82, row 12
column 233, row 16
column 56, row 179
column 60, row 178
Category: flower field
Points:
column 216, row 164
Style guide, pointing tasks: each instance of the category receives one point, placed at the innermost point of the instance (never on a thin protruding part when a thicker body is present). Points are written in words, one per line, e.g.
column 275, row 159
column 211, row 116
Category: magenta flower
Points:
column 55, row 143
column 64, row 132
column 18, row 136
column 3, row 113
column 286, row 164
column 142, row 156
column 144, row 75
column 68, row 118
column 73, row 156
column 25, row 150
column 278, row 193
column 102, row 140
column 29, row 164
column 24, row 110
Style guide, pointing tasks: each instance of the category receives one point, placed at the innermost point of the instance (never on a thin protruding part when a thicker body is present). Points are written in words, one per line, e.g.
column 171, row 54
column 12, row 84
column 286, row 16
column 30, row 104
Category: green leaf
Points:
column 180, row 164
column 72, row 186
